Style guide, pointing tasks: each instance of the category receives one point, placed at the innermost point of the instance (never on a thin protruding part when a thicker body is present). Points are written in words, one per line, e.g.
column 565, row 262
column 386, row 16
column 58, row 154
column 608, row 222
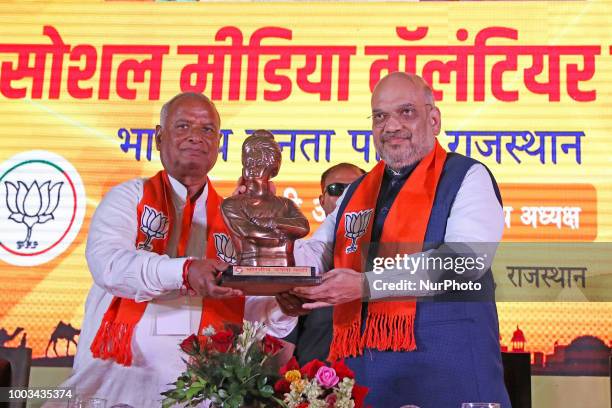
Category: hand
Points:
column 340, row 285
column 240, row 187
column 202, row 277
column 290, row 305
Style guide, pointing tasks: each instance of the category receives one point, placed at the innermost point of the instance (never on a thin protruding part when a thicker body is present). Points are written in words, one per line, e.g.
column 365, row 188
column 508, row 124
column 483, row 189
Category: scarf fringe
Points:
column 389, row 332
column 345, row 342
column 114, row 341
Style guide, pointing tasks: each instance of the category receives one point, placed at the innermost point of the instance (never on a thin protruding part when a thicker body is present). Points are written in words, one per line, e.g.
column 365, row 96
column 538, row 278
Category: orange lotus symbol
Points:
column 32, row 205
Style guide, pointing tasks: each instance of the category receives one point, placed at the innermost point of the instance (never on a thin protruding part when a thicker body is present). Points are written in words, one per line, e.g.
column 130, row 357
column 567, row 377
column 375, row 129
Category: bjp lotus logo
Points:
column 355, row 226
column 225, row 249
column 32, row 205
column 42, row 207
column 154, row 224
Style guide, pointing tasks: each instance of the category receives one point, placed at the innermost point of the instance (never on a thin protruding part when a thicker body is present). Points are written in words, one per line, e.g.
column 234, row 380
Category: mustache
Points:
column 385, row 137
column 202, row 146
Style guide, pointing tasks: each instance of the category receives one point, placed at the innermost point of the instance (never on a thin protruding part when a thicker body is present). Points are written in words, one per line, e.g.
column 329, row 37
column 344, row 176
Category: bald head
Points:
column 409, row 82
column 163, row 114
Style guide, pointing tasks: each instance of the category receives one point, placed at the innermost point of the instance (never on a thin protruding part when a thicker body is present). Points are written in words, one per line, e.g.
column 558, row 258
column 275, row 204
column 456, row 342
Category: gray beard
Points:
column 398, row 160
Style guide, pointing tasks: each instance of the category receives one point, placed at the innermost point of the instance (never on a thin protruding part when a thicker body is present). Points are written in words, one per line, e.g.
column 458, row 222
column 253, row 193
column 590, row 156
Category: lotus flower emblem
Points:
column 32, row 205
column 225, row 249
column 355, row 226
column 154, row 224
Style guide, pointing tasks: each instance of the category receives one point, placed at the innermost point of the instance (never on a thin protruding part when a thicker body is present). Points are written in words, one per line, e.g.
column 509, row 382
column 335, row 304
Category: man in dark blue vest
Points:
column 437, row 353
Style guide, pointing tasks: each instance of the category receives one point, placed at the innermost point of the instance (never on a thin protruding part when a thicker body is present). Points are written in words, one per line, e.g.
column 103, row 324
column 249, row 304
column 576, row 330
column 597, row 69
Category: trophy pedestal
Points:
column 269, row 280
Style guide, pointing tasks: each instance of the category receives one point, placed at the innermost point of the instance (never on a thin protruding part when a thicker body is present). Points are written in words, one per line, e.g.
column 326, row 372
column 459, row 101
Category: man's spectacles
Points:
column 335, row 189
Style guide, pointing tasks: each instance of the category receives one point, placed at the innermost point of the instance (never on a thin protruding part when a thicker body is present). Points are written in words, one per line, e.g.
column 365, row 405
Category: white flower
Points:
column 209, row 331
column 312, row 390
column 252, row 332
column 344, row 393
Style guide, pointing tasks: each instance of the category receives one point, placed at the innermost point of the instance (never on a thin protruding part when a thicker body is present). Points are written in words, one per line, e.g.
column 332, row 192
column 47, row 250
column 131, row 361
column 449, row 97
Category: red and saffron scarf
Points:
column 156, row 215
column 389, row 324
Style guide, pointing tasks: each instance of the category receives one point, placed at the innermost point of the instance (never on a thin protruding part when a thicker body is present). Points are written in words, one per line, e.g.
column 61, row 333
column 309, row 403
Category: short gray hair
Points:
column 163, row 114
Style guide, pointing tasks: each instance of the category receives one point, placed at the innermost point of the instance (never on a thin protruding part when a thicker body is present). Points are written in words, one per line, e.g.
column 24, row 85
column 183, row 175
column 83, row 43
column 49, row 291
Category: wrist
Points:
column 365, row 287
column 186, row 285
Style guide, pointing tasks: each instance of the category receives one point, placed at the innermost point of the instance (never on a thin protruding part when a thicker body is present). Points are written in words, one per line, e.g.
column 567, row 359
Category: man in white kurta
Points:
column 118, row 269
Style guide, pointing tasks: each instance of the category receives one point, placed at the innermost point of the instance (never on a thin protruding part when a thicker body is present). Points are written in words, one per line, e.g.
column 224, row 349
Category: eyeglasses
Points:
column 335, row 189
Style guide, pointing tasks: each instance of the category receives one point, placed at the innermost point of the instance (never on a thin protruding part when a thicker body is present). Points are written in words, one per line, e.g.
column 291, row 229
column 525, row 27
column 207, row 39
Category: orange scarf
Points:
column 389, row 325
column 155, row 221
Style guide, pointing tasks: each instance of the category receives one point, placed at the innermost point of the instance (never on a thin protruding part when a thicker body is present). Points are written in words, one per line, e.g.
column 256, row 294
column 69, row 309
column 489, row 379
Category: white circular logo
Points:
column 42, row 205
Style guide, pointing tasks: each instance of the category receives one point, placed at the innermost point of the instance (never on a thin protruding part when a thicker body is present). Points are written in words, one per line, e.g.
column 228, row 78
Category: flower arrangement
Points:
column 229, row 368
column 233, row 369
column 315, row 385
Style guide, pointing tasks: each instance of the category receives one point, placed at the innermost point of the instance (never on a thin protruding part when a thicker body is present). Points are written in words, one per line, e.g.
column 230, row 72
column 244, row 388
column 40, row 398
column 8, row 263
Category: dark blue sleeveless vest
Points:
column 458, row 358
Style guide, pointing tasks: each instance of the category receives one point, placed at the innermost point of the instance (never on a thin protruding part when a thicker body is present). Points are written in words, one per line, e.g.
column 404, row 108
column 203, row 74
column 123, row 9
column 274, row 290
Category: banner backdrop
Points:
column 524, row 87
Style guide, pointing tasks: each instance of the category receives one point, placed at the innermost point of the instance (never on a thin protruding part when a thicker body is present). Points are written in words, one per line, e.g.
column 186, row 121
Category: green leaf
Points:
column 261, row 382
column 168, row 402
column 266, row 391
column 242, row 372
column 190, row 394
column 193, row 390
column 234, row 389
column 235, row 401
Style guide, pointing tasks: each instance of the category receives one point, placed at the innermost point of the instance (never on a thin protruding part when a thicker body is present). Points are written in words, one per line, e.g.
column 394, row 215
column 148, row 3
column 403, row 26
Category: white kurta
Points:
column 118, row 269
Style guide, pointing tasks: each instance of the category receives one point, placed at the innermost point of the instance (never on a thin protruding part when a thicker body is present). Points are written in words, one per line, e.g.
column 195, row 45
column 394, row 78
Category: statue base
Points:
column 269, row 280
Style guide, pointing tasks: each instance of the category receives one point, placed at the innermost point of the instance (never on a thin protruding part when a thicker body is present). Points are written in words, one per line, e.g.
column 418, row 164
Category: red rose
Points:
column 359, row 393
column 190, row 345
column 342, row 370
column 310, row 369
column 303, row 405
column 222, row 341
column 271, row 345
column 282, row 386
column 291, row 365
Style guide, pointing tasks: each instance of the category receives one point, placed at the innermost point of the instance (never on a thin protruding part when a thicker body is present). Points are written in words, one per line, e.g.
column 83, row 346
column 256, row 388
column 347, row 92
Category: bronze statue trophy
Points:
column 263, row 227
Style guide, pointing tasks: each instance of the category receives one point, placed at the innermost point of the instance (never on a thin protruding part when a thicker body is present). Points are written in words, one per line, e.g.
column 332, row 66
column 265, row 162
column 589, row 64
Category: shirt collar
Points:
column 180, row 190
column 402, row 173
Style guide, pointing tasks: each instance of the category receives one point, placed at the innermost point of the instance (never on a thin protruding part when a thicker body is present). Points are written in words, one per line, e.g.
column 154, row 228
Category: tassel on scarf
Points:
column 114, row 341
